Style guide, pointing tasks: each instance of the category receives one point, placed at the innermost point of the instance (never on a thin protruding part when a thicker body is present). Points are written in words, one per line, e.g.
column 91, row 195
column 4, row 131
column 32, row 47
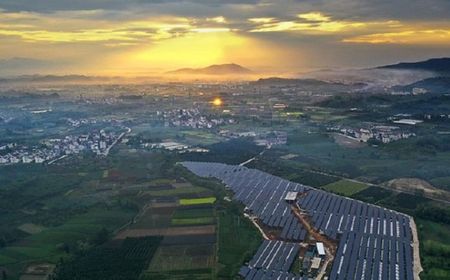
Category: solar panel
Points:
column 377, row 241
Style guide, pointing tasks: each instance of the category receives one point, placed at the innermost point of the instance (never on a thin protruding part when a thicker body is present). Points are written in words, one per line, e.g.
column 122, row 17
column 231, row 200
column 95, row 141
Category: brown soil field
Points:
column 172, row 231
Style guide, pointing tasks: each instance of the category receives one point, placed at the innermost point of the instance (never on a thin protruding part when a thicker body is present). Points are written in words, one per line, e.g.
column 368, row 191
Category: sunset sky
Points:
column 138, row 37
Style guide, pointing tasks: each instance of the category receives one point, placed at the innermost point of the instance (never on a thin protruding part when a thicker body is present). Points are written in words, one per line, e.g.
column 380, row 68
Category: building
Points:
column 291, row 197
column 320, row 249
column 315, row 263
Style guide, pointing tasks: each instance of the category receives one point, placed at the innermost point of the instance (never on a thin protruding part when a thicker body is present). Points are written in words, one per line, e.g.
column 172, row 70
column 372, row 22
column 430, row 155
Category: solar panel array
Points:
column 259, row 274
column 374, row 242
column 262, row 193
column 272, row 261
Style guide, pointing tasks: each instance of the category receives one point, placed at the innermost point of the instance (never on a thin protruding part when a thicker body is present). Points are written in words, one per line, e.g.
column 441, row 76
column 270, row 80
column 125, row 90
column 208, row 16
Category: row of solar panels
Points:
column 275, row 255
column 375, row 242
column 262, row 194
column 334, row 215
column 365, row 256
column 323, row 206
column 261, row 274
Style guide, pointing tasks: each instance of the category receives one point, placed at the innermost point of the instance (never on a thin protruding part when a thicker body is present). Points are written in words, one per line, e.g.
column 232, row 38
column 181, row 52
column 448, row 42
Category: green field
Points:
column 199, row 211
column 345, row 187
column 196, row 201
column 47, row 245
column 238, row 240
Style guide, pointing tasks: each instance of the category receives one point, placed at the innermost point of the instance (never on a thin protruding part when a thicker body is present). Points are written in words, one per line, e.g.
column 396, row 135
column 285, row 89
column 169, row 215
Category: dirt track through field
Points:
column 417, row 268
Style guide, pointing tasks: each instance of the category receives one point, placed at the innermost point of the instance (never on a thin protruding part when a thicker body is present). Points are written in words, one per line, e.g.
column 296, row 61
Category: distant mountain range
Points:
column 440, row 65
column 277, row 81
column 218, row 69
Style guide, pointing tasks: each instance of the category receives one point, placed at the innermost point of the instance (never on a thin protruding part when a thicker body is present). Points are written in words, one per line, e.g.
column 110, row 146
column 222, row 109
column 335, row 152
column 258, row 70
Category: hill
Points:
column 276, row 81
column 431, row 85
column 441, row 65
column 217, row 69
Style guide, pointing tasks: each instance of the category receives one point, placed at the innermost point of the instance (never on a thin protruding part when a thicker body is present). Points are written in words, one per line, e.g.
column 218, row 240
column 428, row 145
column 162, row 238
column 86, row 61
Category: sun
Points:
column 217, row 101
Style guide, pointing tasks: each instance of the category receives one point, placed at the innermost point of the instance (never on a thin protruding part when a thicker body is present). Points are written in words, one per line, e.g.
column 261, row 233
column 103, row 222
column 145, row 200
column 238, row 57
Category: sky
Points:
column 141, row 37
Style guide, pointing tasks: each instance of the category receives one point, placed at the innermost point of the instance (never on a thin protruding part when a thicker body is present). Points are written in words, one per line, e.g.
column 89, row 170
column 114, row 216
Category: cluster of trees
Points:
column 106, row 262
column 233, row 151
column 435, row 214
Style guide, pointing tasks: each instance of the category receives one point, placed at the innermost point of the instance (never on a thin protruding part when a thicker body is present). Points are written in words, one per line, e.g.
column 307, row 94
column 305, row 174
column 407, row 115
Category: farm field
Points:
column 48, row 244
column 196, row 201
column 184, row 257
column 345, row 187
column 111, row 261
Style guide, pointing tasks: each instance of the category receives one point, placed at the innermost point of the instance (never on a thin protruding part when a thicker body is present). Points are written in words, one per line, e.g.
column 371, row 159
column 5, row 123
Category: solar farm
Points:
column 362, row 241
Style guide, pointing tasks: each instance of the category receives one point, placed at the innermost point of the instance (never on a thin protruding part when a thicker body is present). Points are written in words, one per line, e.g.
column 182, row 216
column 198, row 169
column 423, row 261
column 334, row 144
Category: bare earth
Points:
column 417, row 267
column 414, row 185
column 347, row 141
column 172, row 231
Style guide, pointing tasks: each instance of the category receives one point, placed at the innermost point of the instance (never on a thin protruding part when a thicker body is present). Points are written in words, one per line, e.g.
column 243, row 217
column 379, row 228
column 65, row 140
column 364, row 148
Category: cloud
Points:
column 422, row 37
column 312, row 22
column 32, row 27
column 49, row 6
column 218, row 19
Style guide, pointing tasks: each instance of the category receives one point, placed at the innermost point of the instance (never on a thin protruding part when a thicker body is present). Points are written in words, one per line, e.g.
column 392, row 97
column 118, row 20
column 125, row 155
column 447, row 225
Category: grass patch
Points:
column 195, row 201
column 345, row 187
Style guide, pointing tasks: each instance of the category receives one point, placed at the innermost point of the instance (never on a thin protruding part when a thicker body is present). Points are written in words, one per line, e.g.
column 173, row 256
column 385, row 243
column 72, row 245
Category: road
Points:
column 106, row 153
column 253, row 158
column 330, row 245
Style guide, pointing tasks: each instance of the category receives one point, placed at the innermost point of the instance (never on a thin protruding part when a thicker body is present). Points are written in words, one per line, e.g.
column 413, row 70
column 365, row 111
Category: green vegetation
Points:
column 372, row 195
column 238, row 240
column 293, row 171
column 345, row 187
column 195, row 201
column 109, row 262
column 434, row 249
column 55, row 242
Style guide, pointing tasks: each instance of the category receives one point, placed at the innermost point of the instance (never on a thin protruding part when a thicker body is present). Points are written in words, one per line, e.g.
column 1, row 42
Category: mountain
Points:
column 431, row 85
column 276, row 81
column 441, row 65
column 218, row 69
